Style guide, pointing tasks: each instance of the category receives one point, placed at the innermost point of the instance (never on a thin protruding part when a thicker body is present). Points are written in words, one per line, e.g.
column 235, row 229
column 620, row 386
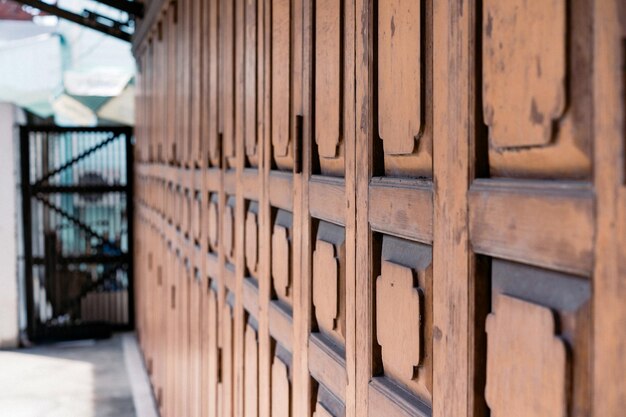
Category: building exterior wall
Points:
column 9, row 227
column 390, row 208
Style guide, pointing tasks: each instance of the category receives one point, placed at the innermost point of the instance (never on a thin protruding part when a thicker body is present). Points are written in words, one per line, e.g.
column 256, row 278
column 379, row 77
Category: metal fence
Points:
column 77, row 213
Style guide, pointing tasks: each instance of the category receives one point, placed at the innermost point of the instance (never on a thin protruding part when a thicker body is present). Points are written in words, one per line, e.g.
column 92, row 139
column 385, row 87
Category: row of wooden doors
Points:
column 382, row 208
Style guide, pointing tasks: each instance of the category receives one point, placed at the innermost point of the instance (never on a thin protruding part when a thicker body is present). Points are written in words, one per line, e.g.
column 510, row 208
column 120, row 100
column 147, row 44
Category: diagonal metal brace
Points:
column 83, row 20
column 74, row 160
column 84, row 227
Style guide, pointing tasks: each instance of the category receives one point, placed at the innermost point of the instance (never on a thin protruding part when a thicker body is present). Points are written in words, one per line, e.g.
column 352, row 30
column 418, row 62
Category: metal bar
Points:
column 28, row 236
column 74, row 220
column 62, row 129
column 76, row 18
column 85, row 259
column 75, row 159
column 134, row 8
column 130, row 184
column 78, row 189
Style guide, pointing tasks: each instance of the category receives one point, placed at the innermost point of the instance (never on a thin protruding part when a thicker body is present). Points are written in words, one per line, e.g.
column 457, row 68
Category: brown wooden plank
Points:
column 528, row 223
column 451, row 252
column 401, row 207
column 327, row 199
column 281, row 326
column 609, row 345
column 327, row 367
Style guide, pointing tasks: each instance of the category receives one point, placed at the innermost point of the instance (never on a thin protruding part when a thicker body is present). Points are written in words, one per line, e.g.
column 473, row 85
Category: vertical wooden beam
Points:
column 240, row 213
column 302, row 297
column 265, row 144
column 363, row 109
column 451, row 252
column 609, row 309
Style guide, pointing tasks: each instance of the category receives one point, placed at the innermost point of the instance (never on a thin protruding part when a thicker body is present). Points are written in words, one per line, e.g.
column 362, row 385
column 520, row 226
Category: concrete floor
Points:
column 77, row 379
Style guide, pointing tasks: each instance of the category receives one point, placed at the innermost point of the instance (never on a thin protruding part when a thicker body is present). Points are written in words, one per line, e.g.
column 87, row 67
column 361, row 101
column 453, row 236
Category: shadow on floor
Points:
column 75, row 379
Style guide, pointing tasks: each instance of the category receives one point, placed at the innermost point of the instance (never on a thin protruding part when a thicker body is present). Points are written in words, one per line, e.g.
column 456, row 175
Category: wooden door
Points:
column 382, row 208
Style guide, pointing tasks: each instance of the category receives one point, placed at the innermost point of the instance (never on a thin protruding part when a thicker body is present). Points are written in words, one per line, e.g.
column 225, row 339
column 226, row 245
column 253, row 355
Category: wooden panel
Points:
column 521, row 221
column 281, row 325
column 281, row 58
column 329, row 297
column 251, row 400
column 401, row 208
column 326, row 199
column 281, row 395
column 226, row 400
column 390, row 208
column 399, row 75
column 250, row 130
column 536, row 82
column 327, row 367
column 252, row 239
column 250, row 297
column 227, row 79
column 281, row 256
column 213, row 222
column 385, row 401
column 212, row 98
column 565, row 300
column 327, row 77
column 280, row 189
column 229, row 229
column 524, row 85
column 526, row 361
column 398, row 321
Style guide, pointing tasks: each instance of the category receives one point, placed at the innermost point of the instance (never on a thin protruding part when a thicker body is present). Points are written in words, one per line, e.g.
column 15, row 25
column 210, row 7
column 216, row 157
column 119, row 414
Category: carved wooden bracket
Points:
column 280, row 389
column 328, row 77
column 252, row 247
column 524, row 70
column 325, row 285
column 399, row 75
column 398, row 326
column 280, row 260
column 213, row 222
column 526, row 361
column 281, row 77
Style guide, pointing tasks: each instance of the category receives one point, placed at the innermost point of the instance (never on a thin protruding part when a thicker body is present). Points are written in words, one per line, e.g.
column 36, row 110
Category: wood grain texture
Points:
column 213, row 222
column 401, row 208
column 504, row 222
column 526, row 361
column 328, row 77
column 281, row 390
column 608, row 397
column 452, row 174
column 434, row 167
column 385, row 400
column 252, row 239
column 321, row 411
column 227, row 74
column 327, row 366
column 524, row 70
column 398, row 318
column 399, row 75
column 281, row 58
column 251, row 400
column 325, row 286
column 281, row 261
column 250, row 129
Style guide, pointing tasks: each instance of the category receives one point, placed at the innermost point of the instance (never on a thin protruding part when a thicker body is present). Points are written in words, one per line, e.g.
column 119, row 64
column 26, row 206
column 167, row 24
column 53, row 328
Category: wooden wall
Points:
column 382, row 208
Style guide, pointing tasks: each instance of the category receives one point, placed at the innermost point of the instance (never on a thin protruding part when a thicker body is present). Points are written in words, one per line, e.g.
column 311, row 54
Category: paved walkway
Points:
column 77, row 379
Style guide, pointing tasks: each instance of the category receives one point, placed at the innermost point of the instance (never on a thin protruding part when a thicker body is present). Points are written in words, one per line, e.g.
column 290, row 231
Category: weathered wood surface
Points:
column 393, row 208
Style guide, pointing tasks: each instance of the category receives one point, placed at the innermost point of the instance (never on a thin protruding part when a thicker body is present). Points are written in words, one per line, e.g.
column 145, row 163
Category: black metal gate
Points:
column 78, row 220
